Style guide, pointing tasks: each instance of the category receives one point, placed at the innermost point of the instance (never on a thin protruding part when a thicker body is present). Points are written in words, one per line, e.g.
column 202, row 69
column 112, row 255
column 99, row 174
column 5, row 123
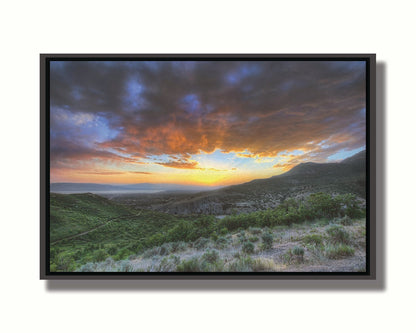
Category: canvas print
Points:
column 207, row 166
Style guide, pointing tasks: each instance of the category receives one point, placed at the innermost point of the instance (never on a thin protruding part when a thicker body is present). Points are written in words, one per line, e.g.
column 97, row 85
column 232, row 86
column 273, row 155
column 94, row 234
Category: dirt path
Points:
column 91, row 230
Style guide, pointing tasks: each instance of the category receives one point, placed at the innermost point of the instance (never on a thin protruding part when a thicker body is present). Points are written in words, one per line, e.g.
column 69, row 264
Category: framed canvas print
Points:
column 207, row 166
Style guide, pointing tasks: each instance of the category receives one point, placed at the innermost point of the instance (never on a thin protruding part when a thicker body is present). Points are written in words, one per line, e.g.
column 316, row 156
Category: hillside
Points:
column 78, row 213
column 85, row 227
column 348, row 176
column 315, row 247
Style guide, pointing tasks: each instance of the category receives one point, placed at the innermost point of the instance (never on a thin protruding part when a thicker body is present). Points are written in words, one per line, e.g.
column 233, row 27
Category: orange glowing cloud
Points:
column 124, row 121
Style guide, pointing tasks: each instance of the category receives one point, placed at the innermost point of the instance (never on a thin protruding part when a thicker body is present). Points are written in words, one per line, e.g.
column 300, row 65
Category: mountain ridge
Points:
column 346, row 176
column 94, row 187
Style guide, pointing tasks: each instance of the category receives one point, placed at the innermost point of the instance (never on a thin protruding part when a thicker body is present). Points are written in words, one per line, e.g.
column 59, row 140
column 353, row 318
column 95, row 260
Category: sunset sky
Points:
column 206, row 123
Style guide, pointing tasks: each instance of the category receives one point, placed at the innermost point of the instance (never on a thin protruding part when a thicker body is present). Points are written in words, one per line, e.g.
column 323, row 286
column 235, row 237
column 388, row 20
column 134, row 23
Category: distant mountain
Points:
column 347, row 176
column 83, row 187
column 145, row 187
column 169, row 187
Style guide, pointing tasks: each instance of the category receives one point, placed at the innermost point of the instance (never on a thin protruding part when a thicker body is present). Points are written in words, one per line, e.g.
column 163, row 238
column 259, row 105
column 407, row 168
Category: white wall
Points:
column 32, row 27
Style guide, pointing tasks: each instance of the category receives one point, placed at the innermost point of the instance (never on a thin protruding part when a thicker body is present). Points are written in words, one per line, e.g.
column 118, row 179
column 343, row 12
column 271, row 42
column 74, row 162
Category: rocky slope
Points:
column 348, row 176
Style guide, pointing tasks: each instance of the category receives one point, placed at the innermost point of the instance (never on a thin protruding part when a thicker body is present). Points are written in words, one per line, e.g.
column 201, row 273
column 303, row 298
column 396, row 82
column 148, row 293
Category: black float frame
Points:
column 369, row 274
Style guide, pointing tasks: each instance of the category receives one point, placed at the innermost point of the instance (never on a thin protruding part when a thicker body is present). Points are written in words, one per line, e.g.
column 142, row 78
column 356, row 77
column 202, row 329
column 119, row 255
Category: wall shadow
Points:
column 378, row 285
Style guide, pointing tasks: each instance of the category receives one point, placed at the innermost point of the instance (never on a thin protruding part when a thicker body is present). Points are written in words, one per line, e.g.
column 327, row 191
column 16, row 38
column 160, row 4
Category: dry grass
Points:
column 323, row 251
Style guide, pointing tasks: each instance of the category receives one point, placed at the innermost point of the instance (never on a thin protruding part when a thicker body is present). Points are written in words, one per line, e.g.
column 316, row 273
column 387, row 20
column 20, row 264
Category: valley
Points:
column 311, row 218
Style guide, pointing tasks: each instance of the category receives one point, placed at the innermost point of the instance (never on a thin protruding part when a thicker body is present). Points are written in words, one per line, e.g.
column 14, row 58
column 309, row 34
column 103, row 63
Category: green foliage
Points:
column 89, row 267
column 201, row 243
column 63, row 263
column 77, row 213
column 179, row 246
column 100, row 255
column 255, row 231
column 316, row 206
column 313, row 239
column 182, row 231
column 350, row 206
column 241, row 264
column 120, row 231
column 88, row 228
column 112, row 249
column 336, row 251
column 191, row 265
column 248, row 247
column 346, row 220
column 165, row 249
column 223, row 231
column 338, row 234
column 298, row 251
column 253, row 239
column 323, row 205
column 125, row 266
column 176, row 260
column 222, row 242
column 211, row 256
column 267, row 239
column 168, row 264
column 294, row 255
column 122, row 254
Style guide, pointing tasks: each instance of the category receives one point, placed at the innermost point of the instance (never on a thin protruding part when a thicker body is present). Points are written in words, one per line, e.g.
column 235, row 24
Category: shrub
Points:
column 89, row 267
column 64, row 263
column 294, row 255
column 248, row 247
column 298, row 251
column 338, row 251
column 109, row 261
column 200, row 243
column 122, row 254
column 362, row 230
column 267, row 239
column 223, row 231
column 323, row 205
column 191, row 265
column 158, row 239
column 168, row 264
column 222, row 242
column 338, row 234
column 100, row 255
column 322, row 222
column 179, row 246
column 242, row 236
column 241, row 264
column 211, row 256
column 313, row 239
column 255, row 231
column 346, row 220
column 175, row 259
column 112, row 249
column 165, row 249
column 253, row 239
column 125, row 266
column 151, row 252
column 214, row 236
column 351, row 206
